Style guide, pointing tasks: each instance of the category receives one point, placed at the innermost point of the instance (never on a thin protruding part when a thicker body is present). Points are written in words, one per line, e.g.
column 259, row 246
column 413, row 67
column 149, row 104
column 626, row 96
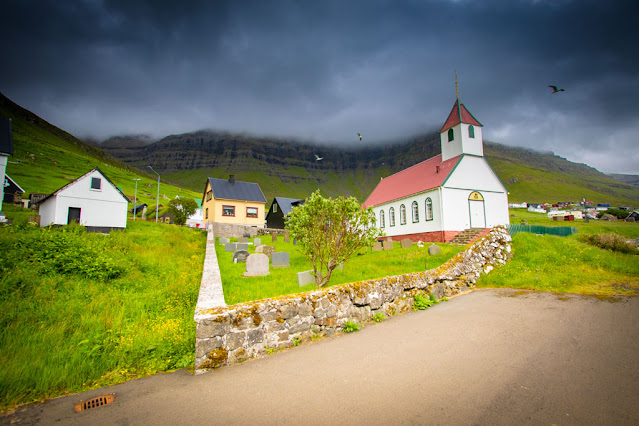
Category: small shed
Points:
column 91, row 200
column 280, row 207
column 11, row 188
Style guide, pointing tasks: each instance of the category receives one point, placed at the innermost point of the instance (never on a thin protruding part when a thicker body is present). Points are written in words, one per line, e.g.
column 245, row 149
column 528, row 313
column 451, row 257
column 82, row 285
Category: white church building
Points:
column 438, row 198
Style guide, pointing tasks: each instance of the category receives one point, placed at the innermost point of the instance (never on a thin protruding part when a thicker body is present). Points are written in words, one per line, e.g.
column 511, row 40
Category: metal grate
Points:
column 94, row 403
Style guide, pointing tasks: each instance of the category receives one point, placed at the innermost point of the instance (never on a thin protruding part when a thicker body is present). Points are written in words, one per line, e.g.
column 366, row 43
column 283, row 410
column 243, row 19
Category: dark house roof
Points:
column 231, row 189
column 287, row 204
column 6, row 138
column 75, row 180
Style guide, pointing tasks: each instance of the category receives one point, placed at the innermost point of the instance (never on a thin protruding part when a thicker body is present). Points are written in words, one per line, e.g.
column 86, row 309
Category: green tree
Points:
column 182, row 208
column 331, row 231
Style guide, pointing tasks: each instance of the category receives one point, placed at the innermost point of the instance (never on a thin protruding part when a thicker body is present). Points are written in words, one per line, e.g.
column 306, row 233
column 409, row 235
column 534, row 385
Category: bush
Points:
column 611, row 241
column 619, row 214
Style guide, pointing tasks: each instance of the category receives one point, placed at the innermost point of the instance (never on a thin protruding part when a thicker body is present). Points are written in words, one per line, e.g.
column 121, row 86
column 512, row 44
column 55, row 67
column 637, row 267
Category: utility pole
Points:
column 135, row 199
column 157, row 200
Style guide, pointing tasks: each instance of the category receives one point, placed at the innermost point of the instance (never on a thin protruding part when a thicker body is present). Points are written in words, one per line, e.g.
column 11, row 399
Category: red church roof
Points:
column 421, row 177
column 459, row 114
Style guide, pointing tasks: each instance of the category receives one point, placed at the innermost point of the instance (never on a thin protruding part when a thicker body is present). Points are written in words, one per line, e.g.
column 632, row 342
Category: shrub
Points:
column 611, row 241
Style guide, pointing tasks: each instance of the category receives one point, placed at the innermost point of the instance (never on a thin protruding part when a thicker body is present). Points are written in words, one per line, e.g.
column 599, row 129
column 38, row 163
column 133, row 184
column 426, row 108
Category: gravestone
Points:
column 387, row 245
column 280, row 260
column 305, row 278
column 433, row 250
column 406, row 243
column 230, row 247
column 243, row 240
column 257, row 242
column 268, row 250
column 274, row 236
column 242, row 246
column 246, row 235
column 294, row 241
column 286, row 236
column 224, row 240
column 240, row 256
column 377, row 246
column 260, row 248
column 256, row 265
column 390, row 239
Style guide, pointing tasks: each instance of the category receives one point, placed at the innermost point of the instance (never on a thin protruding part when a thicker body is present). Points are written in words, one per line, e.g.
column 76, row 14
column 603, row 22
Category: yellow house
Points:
column 231, row 201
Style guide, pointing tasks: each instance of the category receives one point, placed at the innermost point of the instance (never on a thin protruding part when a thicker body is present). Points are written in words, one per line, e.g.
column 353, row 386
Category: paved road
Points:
column 488, row 357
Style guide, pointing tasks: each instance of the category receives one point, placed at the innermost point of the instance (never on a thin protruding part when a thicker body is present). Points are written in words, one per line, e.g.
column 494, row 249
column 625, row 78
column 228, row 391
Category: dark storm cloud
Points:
column 325, row 70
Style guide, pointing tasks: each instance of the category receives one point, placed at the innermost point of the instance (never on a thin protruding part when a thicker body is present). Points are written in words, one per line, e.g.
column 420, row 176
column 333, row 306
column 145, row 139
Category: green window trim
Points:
column 391, row 216
column 429, row 209
column 402, row 214
column 451, row 135
column 415, row 212
column 471, row 131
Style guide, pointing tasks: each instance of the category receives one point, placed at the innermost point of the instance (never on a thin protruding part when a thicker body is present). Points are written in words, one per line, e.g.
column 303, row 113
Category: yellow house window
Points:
column 251, row 212
column 209, row 195
column 206, row 213
column 228, row 210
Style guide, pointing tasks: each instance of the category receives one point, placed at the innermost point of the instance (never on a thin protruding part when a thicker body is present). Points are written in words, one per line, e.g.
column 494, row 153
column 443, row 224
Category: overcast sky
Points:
column 324, row 70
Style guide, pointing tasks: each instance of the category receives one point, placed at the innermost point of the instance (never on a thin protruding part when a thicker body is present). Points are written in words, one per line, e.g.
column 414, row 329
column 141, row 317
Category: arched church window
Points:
column 382, row 221
column 429, row 209
column 415, row 212
column 451, row 135
column 471, row 131
column 391, row 216
column 402, row 214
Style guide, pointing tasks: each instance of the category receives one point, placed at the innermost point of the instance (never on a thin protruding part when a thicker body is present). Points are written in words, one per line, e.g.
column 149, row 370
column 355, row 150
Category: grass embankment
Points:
column 282, row 281
column 568, row 264
column 79, row 311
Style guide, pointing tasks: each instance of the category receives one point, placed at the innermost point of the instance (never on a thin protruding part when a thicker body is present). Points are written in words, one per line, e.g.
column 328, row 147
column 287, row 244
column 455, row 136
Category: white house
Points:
column 438, row 198
column 92, row 200
column 6, row 149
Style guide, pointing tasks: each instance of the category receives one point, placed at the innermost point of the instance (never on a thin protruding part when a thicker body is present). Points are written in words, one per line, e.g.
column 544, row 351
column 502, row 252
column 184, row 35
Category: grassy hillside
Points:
column 46, row 158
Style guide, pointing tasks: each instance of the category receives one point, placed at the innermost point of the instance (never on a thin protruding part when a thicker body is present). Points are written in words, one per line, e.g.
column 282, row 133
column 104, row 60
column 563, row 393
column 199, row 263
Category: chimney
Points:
column 231, row 178
column 437, row 169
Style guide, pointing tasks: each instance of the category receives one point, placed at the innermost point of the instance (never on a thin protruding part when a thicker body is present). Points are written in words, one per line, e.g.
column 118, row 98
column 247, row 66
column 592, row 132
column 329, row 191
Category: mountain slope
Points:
column 46, row 158
column 289, row 168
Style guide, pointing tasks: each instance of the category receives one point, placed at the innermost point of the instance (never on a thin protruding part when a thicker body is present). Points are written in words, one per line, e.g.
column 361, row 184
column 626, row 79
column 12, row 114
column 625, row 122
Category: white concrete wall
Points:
column 462, row 143
column 3, row 167
column 105, row 207
column 412, row 228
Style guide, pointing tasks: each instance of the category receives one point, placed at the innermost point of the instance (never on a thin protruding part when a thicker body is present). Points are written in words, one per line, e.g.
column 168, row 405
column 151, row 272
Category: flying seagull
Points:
column 359, row 136
column 318, row 158
column 555, row 90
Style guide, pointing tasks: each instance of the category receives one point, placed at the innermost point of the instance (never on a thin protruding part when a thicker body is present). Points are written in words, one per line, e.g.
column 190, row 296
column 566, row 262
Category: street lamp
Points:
column 157, row 200
column 135, row 199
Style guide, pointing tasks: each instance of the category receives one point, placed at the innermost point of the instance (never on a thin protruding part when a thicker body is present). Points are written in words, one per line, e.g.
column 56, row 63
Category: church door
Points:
column 477, row 210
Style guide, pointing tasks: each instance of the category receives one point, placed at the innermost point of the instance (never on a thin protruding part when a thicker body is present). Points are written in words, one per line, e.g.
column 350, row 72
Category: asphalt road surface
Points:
column 487, row 357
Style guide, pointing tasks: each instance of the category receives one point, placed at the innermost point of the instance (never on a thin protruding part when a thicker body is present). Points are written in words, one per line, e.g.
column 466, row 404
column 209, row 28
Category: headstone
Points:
column 256, row 265
column 286, row 236
column 242, row 246
column 294, row 241
column 305, row 278
column 390, row 239
column 377, row 246
column 257, row 242
column 260, row 248
column 433, row 250
column 406, row 243
column 224, row 240
column 274, row 236
column 387, row 245
column 280, row 260
column 230, row 247
column 240, row 256
column 243, row 240
column 247, row 236
column 268, row 250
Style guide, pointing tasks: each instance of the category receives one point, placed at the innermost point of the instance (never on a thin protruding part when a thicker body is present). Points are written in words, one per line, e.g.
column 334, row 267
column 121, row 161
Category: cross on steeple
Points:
column 456, row 86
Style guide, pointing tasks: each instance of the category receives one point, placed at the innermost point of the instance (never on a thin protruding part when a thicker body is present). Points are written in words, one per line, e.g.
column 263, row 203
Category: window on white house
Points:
column 391, row 216
column 228, row 210
column 402, row 214
column 96, row 183
column 415, row 212
column 382, row 222
column 429, row 209
column 251, row 212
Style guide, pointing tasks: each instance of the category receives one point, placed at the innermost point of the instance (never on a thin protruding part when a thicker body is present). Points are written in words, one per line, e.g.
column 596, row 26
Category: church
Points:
column 439, row 198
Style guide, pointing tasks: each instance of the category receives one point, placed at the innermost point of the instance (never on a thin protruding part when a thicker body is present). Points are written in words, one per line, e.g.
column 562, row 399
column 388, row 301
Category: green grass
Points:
column 566, row 265
column 280, row 281
column 63, row 332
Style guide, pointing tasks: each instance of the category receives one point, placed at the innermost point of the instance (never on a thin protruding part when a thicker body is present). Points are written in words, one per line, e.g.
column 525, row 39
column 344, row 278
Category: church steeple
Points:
column 461, row 132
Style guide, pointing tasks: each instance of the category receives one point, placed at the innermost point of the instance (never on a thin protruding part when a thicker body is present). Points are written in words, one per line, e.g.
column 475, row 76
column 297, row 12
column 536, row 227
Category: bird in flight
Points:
column 359, row 136
column 555, row 90
column 318, row 158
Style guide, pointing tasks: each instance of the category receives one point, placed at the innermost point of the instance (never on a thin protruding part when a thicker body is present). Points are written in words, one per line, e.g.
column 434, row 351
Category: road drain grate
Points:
column 94, row 403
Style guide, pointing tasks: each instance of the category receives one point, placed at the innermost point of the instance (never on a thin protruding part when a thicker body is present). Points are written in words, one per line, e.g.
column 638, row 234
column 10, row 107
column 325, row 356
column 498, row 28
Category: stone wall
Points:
column 231, row 230
column 231, row 334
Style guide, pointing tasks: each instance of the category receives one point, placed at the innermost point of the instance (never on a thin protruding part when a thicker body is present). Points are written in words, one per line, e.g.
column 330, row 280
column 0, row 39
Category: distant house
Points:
column 91, row 200
column 11, row 188
column 439, row 198
column 234, row 202
column 138, row 209
column 280, row 207
column 6, row 149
